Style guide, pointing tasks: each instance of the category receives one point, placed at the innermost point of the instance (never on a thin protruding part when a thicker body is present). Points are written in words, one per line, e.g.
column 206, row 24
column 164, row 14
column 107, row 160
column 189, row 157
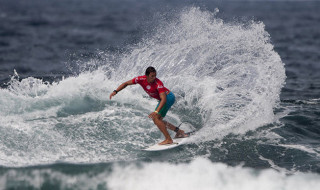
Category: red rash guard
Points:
column 153, row 89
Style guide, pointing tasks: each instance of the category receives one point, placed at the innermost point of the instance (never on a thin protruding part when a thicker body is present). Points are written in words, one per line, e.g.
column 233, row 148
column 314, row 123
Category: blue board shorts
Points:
column 170, row 101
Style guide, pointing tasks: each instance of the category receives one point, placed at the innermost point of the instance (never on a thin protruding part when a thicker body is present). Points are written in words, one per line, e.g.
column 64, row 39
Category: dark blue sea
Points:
column 245, row 75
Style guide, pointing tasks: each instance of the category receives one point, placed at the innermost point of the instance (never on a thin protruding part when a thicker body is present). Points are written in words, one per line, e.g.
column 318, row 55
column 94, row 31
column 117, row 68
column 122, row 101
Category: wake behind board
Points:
column 176, row 142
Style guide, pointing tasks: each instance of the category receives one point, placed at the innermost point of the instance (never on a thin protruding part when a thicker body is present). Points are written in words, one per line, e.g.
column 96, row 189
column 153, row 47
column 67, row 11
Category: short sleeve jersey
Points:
column 152, row 89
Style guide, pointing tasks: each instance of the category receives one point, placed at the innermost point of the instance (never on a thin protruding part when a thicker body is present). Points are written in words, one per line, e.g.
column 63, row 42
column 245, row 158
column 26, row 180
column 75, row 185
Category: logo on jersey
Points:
column 148, row 87
column 160, row 86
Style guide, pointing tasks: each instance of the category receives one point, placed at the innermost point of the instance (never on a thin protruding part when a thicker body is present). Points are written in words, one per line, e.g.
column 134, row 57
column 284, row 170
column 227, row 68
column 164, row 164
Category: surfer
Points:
column 155, row 88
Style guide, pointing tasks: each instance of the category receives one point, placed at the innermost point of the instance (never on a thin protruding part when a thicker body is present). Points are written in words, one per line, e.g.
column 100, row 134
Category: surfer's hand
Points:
column 153, row 115
column 112, row 94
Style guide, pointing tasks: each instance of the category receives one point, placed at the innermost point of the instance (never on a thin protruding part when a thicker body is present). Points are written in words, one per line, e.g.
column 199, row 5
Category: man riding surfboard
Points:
column 155, row 88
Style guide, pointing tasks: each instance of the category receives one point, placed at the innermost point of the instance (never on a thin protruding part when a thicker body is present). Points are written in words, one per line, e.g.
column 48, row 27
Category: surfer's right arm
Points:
column 121, row 87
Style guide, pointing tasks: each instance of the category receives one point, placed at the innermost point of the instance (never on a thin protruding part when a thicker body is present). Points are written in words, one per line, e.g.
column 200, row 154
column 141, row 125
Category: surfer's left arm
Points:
column 163, row 101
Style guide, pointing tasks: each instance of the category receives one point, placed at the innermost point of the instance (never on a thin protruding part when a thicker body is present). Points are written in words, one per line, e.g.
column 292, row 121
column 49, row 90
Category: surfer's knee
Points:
column 156, row 118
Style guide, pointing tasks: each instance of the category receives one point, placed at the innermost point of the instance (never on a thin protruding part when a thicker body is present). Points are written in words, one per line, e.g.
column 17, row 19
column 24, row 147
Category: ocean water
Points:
column 245, row 76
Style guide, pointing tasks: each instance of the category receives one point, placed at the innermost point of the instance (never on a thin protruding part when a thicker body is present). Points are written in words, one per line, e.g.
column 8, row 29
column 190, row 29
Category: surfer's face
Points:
column 151, row 77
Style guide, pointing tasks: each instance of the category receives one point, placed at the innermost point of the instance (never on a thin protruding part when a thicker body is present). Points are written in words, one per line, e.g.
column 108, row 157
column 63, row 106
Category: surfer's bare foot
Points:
column 181, row 134
column 167, row 141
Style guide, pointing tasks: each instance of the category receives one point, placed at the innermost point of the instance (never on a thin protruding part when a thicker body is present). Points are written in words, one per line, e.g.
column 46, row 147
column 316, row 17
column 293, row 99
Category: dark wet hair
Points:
column 150, row 70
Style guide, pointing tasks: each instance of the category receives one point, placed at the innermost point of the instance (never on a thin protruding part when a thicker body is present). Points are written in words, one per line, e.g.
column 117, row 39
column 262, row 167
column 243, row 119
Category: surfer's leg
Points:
column 180, row 133
column 162, row 126
column 163, row 112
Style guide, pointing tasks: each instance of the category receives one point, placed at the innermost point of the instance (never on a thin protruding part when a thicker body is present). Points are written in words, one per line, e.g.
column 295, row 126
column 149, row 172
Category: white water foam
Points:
column 70, row 121
column 199, row 174
column 227, row 70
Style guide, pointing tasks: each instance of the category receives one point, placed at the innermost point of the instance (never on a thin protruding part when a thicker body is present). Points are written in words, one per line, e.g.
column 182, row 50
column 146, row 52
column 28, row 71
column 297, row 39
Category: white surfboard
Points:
column 176, row 142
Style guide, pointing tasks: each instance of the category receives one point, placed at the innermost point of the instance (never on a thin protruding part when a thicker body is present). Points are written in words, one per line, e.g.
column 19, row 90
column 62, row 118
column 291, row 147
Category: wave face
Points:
column 226, row 76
